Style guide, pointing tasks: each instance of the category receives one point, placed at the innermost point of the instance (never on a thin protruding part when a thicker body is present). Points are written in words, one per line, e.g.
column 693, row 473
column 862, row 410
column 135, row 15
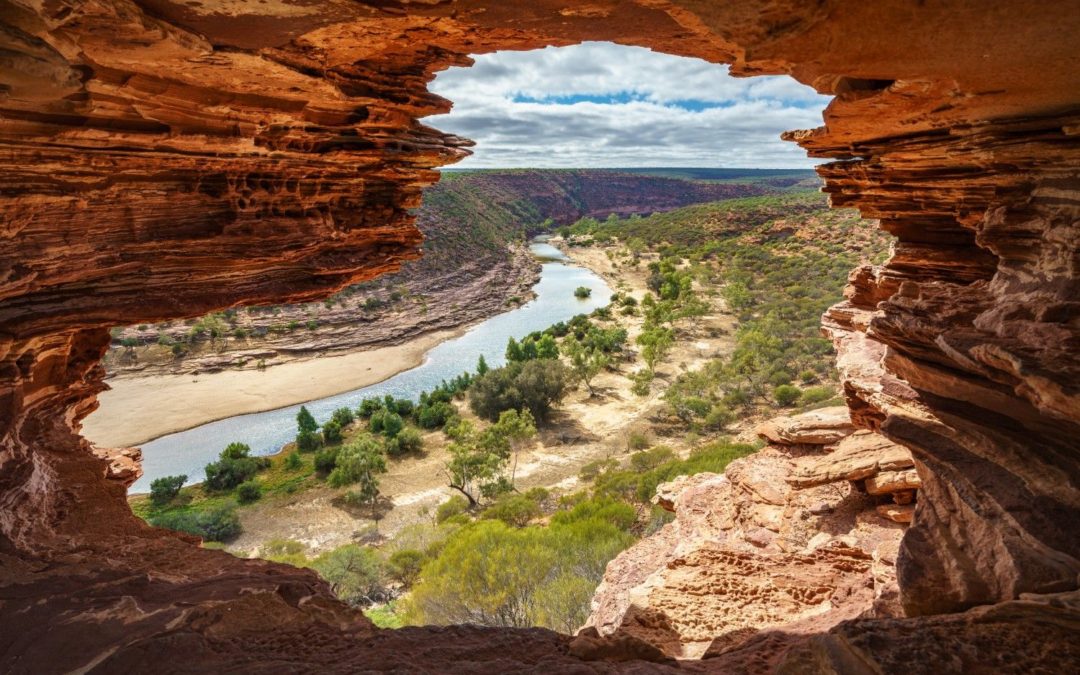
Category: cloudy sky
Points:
column 603, row 105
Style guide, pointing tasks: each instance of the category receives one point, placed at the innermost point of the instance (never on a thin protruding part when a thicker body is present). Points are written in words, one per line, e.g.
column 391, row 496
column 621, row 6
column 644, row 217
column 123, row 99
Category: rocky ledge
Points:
column 749, row 552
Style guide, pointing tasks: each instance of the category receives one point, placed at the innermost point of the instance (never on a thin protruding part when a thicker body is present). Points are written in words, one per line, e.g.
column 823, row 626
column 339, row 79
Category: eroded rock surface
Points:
column 159, row 160
column 747, row 553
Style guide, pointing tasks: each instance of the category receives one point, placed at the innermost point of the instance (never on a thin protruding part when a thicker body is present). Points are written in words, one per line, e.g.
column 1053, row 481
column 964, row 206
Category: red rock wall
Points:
column 161, row 159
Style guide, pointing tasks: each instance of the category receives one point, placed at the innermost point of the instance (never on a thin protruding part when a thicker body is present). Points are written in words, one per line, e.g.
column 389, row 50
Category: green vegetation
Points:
column 535, row 385
column 582, row 292
column 165, row 489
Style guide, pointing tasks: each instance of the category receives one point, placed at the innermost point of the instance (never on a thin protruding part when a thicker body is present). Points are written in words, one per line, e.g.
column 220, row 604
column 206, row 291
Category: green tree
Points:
column 513, row 351
column 786, row 394
column 305, row 421
column 536, row 385
column 477, row 461
column 515, row 429
column 355, row 574
column 582, row 292
column 165, row 489
column 546, row 347
column 655, row 343
column 248, row 491
column 359, row 463
column 481, row 365
column 585, row 362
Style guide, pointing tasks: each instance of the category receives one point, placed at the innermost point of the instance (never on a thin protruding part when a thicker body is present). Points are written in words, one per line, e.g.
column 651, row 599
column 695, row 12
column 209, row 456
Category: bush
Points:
column 404, row 407
column 638, row 440
column 513, row 509
column 248, row 492
column 233, row 467
column 219, row 524
column 582, row 292
column 163, row 490
column 392, row 424
column 407, row 441
column 786, row 394
column 331, row 432
column 650, row 459
column 343, row 416
column 305, row 421
column 355, row 574
column 326, row 460
column 368, row 407
column 404, row 566
column 308, row 441
column 455, row 506
column 434, row 415
column 590, row 471
column 292, row 461
column 719, row 417
column 536, row 385
column 816, row 395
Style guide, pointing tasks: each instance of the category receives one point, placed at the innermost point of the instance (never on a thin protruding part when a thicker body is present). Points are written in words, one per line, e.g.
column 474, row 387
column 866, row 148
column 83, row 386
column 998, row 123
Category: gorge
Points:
column 164, row 160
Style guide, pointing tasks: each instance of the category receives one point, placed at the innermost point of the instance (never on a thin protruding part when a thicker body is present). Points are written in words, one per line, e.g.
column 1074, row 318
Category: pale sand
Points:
column 136, row 410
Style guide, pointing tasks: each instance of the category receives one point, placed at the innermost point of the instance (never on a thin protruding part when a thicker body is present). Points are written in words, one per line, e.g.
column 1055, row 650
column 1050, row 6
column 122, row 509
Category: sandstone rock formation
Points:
column 164, row 159
column 748, row 552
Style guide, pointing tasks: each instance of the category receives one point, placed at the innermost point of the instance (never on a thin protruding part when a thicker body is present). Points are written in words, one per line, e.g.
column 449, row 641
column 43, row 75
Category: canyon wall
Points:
column 162, row 159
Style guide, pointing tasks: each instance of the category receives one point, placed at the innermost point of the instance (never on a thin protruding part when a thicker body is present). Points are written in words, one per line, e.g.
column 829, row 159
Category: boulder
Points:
column 861, row 455
column 817, row 427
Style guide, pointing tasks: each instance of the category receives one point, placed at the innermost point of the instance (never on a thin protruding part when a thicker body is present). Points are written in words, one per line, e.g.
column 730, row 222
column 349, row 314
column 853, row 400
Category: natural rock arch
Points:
column 161, row 159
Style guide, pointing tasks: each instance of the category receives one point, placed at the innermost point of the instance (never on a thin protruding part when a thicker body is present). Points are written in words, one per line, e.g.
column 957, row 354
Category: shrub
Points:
column 786, row 394
column 816, row 395
column 305, row 421
column 513, row 509
column 308, row 441
column 719, row 417
column 404, row 407
column 392, row 424
column 233, row 467
column 638, row 440
column 407, row 441
column 807, row 376
column 355, row 574
column 331, row 432
column 368, row 407
column 536, row 385
column 292, row 461
column 163, row 490
column 434, row 415
column 404, row 565
column 582, row 292
column 248, row 492
column 219, row 524
column 590, row 471
column 326, row 460
column 455, row 506
column 650, row 459
column 343, row 416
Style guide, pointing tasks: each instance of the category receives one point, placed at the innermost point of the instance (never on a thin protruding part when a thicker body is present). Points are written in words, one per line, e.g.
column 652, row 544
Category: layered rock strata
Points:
column 748, row 552
column 159, row 160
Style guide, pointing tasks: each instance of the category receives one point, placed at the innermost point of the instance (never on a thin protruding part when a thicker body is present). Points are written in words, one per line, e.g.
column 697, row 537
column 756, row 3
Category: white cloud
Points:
column 604, row 105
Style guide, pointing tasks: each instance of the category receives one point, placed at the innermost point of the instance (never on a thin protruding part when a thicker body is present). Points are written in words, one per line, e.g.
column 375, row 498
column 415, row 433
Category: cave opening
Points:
column 152, row 155
column 566, row 138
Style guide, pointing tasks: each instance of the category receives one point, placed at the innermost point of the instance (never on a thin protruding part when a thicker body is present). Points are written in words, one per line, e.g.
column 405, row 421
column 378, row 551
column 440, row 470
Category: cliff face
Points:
column 161, row 159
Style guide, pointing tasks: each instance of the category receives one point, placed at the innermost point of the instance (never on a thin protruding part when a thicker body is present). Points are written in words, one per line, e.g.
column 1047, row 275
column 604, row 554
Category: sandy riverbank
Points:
column 138, row 409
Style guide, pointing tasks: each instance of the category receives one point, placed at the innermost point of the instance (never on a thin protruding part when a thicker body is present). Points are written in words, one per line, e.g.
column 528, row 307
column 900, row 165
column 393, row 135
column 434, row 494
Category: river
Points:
column 187, row 452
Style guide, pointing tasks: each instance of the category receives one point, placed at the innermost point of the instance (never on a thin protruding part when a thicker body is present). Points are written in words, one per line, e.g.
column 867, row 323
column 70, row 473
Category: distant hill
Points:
column 474, row 213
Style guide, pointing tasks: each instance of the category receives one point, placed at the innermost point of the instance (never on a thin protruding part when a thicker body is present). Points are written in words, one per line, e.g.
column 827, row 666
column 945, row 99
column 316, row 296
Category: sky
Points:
column 604, row 105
